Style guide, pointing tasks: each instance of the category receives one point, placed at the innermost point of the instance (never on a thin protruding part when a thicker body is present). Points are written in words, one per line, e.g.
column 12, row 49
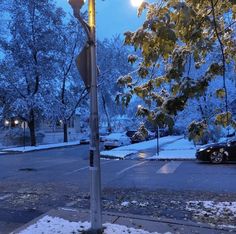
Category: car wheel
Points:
column 217, row 157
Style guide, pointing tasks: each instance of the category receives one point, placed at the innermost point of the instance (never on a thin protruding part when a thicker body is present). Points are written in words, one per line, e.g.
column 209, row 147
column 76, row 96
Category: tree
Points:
column 72, row 91
column 173, row 33
column 112, row 63
column 30, row 59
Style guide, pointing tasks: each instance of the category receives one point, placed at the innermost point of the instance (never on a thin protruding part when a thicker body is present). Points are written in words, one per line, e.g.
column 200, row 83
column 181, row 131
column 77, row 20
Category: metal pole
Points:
column 24, row 133
column 158, row 137
column 95, row 173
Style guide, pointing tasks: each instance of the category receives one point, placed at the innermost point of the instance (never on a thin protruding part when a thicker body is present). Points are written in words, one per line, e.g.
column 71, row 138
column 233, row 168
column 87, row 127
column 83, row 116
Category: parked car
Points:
column 115, row 140
column 218, row 152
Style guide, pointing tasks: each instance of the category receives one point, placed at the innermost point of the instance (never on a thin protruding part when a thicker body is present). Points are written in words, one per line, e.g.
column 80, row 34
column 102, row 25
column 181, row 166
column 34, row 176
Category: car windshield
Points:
column 226, row 140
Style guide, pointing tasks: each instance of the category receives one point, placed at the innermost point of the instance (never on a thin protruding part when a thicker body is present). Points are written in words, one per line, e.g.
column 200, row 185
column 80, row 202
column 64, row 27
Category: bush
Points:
column 140, row 135
column 17, row 136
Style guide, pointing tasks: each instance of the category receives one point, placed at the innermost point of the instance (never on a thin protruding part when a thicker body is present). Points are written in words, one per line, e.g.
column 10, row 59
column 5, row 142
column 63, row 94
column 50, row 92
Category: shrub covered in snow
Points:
column 17, row 136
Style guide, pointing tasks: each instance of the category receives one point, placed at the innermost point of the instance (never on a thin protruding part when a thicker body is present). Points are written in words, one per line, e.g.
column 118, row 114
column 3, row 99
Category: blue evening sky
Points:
column 113, row 17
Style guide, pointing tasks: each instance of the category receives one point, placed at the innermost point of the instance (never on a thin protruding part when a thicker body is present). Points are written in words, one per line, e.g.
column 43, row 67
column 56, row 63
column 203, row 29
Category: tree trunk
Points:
column 106, row 113
column 65, row 131
column 31, row 125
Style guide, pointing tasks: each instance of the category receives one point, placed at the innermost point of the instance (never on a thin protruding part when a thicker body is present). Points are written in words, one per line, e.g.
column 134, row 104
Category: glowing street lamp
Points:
column 7, row 123
column 136, row 3
column 16, row 122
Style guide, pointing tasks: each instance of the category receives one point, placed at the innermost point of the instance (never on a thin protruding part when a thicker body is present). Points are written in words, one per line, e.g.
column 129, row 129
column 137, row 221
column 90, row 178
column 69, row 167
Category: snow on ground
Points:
column 48, row 225
column 125, row 203
column 117, row 154
column 212, row 208
column 180, row 144
column 149, row 144
column 123, row 151
column 40, row 147
column 179, row 149
column 217, row 211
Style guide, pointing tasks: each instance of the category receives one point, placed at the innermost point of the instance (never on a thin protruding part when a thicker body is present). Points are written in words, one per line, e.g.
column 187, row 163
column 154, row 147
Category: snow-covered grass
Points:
column 149, row 144
column 179, row 149
column 171, row 147
column 124, row 151
column 40, row 147
column 49, row 225
column 222, row 213
column 212, row 208
column 180, row 144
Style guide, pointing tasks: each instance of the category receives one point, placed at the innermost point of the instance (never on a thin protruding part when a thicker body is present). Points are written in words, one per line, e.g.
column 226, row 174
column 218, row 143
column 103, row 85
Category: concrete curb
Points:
column 6, row 151
column 136, row 221
column 173, row 159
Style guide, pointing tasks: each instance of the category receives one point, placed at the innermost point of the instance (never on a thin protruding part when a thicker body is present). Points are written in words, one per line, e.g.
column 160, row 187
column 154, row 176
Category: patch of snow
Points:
column 149, row 144
column 143, row 204
column 125, row 203
column 134, row 202
column 124, row 151
column 48, row 225
column 117, row 153
column 181, row 144
column 227, row 226
column 5, row 196
column 212, row 208
column 179, row 149
column 40, row 147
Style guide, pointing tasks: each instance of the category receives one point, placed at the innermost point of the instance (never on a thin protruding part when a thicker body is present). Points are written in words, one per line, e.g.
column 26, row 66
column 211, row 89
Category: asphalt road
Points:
column 52, row 178
column 70, row 165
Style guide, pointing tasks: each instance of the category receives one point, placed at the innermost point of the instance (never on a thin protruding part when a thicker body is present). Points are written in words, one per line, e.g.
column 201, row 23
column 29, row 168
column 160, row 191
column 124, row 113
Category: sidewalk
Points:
column 38, row 147
column 132, row 221
column 171, row 148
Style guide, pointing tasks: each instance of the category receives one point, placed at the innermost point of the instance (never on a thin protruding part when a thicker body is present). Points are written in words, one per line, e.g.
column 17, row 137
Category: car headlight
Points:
column 201, row 149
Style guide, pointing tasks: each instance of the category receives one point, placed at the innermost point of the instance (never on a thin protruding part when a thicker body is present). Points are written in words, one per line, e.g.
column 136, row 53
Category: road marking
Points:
column 84, row 168
column 169, row 168
column 128, row 168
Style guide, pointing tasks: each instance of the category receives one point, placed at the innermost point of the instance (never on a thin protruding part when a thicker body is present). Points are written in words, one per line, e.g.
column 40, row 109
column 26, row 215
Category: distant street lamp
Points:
column 16, row 122
column 7, row 123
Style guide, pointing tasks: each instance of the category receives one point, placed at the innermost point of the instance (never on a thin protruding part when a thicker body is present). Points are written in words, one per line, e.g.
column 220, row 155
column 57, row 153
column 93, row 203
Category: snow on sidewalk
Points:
column 117, row 153
column 40, row 147
column 180, row 149
column 124, row 151
column 49, row 225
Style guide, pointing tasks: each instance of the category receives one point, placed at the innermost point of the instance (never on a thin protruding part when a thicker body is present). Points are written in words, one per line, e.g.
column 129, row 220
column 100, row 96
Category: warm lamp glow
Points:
column 136, row 3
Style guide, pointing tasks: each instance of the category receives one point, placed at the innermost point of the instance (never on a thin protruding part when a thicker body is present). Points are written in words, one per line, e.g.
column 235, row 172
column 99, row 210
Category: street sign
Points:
column 83, row 65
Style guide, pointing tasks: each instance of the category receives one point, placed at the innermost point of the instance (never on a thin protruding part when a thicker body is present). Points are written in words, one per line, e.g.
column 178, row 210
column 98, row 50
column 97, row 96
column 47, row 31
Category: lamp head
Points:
column 76, row 5
column 136, row 3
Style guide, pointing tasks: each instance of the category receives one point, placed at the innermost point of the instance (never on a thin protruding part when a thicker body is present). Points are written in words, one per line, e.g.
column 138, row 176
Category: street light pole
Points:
column 87, row 65
column 95, row 172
